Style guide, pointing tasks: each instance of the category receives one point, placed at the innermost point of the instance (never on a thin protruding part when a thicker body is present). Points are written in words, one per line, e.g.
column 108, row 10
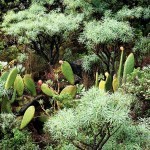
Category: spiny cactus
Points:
column 67, row 71
column 11, row 78
column 128, row 66
column 28, row 116
column 19, row 85
column 47, row 90
column 29, row 84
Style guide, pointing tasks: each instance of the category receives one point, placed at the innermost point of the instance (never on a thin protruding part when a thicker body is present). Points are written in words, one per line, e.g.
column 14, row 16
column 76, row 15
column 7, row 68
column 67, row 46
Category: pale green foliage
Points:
column 12, row 138
column 28, row 24
column 130, row 137
column 95, row 111
column 3, row 91
column 88, row 61
column 142, row 45
column 83, row 5
column 7, row 121
column 105, row 32
column 43, row 1
column 138, row 83
column 137, row 12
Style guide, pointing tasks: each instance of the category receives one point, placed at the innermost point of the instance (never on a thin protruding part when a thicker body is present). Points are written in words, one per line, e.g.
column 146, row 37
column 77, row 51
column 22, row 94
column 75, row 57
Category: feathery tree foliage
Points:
column 101, row 26
column 100, row 121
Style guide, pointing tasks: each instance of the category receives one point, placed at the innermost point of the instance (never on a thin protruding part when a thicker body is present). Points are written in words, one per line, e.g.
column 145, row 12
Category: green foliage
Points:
column 27, row 26
column 88, row 61
column 136, row 12
column 106, row 31
column 12, row 138
column 7, row 122
column 138, row 83
column 98, row 116
column 142, row 45
column 130, row 136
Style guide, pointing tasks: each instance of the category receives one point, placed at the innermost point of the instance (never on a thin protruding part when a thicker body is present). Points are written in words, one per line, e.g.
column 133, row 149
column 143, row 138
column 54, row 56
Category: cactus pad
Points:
column 19, row 85
column 28, row 116
column 67, row 72
column 29, row 84
column 70, row 89
column 128, row 66
column 11, row 78
column 46, row 90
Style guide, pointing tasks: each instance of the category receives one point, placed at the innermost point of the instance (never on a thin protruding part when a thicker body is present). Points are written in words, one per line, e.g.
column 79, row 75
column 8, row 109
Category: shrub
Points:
column 99, row 119
column 12, row 138
column 138, row 83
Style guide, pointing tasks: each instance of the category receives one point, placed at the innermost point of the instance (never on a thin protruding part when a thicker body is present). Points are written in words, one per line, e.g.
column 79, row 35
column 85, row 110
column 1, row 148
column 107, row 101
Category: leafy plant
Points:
column 95, row 121
column 11, row 137
column 138, row 83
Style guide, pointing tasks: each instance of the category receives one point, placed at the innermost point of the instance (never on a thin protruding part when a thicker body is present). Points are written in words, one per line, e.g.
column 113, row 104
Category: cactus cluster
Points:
column 124, row 70
column 14, row 83
column 70, row 90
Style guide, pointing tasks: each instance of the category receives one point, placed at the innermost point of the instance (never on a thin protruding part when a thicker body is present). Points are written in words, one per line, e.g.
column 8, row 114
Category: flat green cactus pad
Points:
column 70, row 89
column 28, row 116
column 19, row 85
column 128, row 66
column 47, row 90
column 29, row 84
column 67, row 72
column 11, row 78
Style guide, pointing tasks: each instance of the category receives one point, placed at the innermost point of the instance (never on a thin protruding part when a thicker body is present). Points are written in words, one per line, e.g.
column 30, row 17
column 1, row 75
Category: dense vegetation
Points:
column 74, row 74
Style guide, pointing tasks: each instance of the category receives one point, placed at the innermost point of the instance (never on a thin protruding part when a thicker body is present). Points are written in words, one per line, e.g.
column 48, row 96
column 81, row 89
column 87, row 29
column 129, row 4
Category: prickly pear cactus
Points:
column 67, row 71
column 48, row 91
column 128, row 66
column 19, row 85
column 28, row 116
column 29, row 84
column 11, row 78
column 70, row 89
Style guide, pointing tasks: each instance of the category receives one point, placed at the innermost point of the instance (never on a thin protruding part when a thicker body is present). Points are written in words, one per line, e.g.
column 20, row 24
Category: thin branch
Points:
column 107, row 138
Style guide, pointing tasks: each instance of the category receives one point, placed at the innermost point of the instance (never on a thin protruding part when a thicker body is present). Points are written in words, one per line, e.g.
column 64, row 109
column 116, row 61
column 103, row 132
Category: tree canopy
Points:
column 100, row 26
